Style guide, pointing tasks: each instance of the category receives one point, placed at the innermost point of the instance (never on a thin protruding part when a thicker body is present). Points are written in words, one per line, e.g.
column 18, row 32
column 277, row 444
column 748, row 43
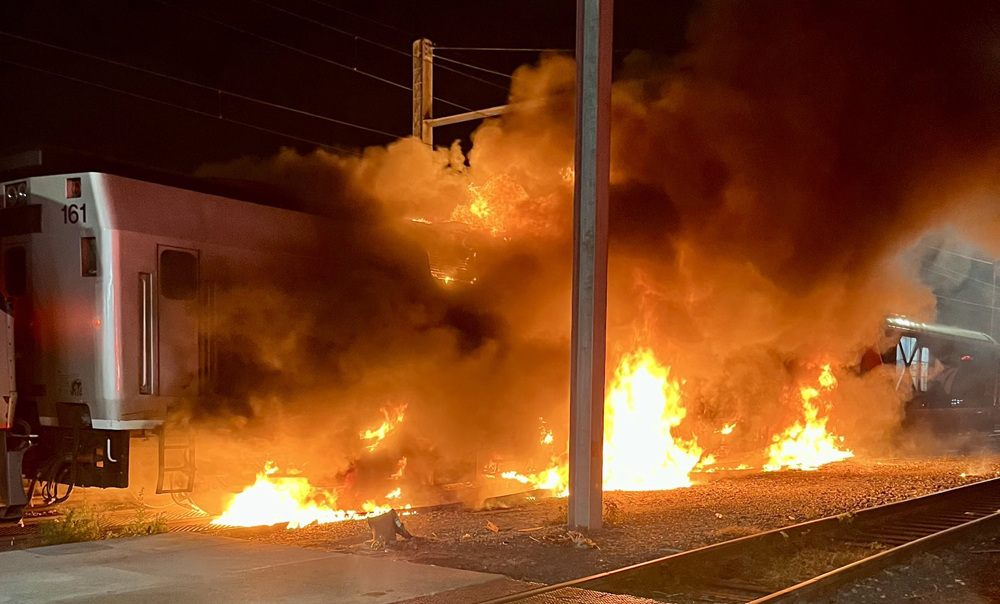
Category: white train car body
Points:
column 105, row 279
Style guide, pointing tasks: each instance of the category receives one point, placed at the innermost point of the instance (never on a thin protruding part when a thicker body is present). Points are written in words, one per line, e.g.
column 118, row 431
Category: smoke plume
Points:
column 765, row 185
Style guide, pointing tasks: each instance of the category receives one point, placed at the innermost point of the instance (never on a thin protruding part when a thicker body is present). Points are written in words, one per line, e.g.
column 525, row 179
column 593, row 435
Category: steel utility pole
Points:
column 594, row 20
column 423, row 90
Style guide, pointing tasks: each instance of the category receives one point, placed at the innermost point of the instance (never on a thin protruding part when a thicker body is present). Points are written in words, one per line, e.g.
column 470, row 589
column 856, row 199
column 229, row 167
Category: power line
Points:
column 364, row 18
column 470, row 65
column 409, row 33
column 389, row 48
column 937, row 249
column 957, row 274
column 332, row 28
column 965, row 302
column 286, row 46
column 308, row 54
column 180, row 107
column 504, row 49
column 200, row 85
column 471, row 77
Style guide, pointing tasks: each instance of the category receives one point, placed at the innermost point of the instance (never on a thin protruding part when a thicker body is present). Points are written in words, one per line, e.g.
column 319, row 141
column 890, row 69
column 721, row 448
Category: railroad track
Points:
column 797, row 563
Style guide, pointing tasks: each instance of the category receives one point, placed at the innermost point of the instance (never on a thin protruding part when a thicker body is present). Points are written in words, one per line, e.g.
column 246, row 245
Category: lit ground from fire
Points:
column 642, row 525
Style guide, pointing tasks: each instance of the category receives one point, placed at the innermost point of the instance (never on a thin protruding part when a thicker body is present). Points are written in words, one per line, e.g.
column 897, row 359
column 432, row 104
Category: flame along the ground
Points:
column 643, row 404
column 275, row 499
column 807, row 444
column 291, row 499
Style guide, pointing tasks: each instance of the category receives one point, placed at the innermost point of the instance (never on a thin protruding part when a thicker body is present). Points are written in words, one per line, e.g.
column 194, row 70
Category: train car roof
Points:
column 901, row 323
column 17, row 164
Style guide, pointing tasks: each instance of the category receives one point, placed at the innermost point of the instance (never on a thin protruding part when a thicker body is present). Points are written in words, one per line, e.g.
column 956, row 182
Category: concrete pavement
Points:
column 204, row 569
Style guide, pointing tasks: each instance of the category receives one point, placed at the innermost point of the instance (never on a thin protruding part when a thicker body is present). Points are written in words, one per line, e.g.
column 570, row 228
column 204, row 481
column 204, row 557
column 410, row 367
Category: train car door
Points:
column 17, row 288
column 177, row 320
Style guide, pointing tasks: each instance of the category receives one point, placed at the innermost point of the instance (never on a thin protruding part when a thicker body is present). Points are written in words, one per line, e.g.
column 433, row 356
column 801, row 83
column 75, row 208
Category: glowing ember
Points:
column 493, row 205
column 641, row 407
column 808, row 445
column 392, row 418
column 728, row 428
column 546, row 434
column 273, row 500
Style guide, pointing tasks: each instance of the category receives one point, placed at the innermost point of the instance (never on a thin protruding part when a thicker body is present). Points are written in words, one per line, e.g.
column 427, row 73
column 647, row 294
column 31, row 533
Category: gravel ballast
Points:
column 531, row 542
column 967, row 572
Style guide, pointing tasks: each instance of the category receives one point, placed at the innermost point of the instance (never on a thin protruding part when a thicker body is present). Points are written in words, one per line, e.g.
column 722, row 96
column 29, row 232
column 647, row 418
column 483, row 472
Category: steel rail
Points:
column 911, row 526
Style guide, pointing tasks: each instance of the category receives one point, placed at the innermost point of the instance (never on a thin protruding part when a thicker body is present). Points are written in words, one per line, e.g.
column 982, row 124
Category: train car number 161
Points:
column 73, row 214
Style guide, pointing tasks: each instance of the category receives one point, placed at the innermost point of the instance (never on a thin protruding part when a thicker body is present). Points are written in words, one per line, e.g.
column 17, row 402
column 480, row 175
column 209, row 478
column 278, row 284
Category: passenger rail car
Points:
column 950, row 376
column 103, row 280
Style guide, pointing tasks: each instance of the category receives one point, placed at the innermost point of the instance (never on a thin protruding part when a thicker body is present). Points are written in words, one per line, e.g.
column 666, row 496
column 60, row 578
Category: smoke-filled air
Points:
column 767, row 187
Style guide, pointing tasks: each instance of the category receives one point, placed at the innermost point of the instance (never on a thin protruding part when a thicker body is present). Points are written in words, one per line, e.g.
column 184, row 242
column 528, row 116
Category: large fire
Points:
column 641, row 407
column 807, row 445
column 278, row 499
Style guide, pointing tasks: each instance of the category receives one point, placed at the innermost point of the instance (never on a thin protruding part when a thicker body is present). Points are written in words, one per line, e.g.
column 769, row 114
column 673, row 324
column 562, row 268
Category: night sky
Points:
column 198, row 42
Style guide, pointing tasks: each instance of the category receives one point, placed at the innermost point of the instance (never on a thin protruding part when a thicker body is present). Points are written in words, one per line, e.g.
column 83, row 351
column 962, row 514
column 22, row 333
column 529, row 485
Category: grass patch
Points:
column 86, row 524
column 807, row 563
column 77, row 525
column 143, row 524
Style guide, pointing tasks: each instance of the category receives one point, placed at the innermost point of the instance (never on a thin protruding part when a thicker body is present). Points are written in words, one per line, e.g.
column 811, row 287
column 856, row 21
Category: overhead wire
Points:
column 390, row 48
column 408, row 33
column 957, row 275
column 364, row 18
column 283, row 45
column 309, row 54
column 332, row 28
column 504, row 49
column 937, row 249
column 180, row 107
column 201, row 86
column 471, row 66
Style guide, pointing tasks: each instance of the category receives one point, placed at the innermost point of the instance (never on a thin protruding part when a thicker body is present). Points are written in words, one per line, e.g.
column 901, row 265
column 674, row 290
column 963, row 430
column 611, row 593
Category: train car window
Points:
column 178, row 275
column 15, row 271
column 88, row 256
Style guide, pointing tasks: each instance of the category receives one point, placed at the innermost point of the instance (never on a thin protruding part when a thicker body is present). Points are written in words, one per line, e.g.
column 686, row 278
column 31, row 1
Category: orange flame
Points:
column 641, row 407
column 555, row 479
column 493, row 205
column 273, row 500
column 640, row 453
column 808, row 445
column 391, row 421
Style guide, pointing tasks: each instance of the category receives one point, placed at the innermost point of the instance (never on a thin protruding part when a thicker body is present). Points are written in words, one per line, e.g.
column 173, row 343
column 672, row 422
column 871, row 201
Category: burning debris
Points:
column 278, row 499
column 806, row 444
column 275, row 499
